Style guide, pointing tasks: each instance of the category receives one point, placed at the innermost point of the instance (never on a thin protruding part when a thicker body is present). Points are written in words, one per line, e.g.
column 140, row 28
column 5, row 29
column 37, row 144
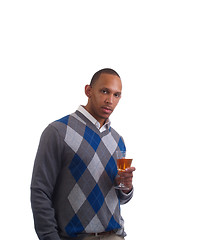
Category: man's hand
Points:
column 127, row 176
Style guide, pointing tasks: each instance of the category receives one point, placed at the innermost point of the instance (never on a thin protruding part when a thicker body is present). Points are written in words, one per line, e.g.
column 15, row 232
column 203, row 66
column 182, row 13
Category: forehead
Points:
column 109, row 81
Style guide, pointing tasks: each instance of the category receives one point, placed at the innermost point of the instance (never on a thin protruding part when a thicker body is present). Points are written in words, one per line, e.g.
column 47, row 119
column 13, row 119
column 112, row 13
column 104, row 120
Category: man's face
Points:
column 104, row 96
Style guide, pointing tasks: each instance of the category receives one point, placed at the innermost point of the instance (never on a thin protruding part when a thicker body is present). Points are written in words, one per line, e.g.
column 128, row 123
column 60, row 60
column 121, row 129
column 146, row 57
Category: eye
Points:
column 104, row 91
column 117, row 95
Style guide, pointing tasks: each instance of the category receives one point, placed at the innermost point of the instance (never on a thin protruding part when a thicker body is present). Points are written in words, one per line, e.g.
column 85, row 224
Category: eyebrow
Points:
column 107, row 89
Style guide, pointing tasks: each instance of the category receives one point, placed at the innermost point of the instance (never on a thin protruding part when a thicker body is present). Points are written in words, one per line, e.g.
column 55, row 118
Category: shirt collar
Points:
column 93, row 120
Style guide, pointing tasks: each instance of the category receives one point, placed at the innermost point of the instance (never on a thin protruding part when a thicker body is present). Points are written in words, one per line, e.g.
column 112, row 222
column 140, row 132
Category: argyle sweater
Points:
column 72, row 188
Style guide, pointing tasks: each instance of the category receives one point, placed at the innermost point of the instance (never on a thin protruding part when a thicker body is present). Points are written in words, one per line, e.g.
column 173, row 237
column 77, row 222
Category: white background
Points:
column 50, row 49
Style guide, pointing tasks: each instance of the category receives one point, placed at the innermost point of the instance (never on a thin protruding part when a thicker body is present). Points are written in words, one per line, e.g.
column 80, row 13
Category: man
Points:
column 72, row 188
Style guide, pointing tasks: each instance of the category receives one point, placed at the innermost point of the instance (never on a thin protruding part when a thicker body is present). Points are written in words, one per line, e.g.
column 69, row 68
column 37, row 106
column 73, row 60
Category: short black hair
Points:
column 98, row 73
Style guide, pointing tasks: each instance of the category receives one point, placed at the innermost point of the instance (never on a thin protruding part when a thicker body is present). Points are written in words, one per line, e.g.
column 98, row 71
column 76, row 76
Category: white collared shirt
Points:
column 93, row 120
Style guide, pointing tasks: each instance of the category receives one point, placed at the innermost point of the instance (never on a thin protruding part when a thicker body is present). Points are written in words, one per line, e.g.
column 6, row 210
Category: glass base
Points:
column 121, row 187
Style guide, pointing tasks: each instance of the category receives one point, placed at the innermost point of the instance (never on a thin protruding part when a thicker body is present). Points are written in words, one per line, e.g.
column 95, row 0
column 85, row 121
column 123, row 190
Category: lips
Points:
column 107, row 110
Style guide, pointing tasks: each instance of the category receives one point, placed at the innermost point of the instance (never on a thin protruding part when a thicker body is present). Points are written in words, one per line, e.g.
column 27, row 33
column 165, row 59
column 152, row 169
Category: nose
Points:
column 109, row 99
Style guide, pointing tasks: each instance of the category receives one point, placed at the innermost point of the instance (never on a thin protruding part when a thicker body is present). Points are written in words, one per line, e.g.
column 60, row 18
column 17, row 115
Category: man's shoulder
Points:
column 117, row 136
column 72, row 120
column 114, row 132
column 71, row 117
column 61, row 123
column 63, row 120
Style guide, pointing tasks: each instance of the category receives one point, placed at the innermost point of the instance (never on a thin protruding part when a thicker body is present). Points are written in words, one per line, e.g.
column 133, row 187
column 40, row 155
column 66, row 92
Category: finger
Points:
column 128, row 182
column 126, row 174
column 131, row 169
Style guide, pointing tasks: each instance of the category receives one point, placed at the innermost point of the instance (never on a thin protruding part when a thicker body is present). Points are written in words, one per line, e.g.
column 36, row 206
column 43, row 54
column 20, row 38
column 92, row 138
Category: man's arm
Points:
column 126, row 195
column 46, row 169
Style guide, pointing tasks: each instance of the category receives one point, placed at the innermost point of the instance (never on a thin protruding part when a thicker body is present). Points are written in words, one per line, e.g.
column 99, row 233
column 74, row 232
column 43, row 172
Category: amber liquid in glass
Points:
column 123, row 163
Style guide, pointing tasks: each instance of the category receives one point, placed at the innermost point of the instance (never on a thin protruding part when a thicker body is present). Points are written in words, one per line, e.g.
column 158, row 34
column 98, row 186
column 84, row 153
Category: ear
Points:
column 88, row 90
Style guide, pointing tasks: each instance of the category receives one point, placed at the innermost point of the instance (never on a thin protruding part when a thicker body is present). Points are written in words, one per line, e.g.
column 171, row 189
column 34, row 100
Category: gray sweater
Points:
column 72, row 188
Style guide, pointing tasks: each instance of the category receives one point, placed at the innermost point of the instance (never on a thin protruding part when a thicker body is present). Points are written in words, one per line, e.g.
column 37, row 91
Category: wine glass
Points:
column 122, row 164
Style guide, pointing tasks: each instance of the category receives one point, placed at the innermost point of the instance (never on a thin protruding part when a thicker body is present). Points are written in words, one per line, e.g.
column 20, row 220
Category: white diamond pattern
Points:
column 95, row 224
column 111, row 200
column 76, row 198
column 73, row 139
column 110, row 143
column 95, row 167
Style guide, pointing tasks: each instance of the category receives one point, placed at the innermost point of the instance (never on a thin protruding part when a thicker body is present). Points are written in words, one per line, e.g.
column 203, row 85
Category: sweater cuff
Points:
column 125, row 197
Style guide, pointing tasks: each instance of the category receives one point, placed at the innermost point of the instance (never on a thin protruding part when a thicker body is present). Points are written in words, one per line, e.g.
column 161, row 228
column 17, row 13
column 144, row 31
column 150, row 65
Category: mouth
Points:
column 107, row 110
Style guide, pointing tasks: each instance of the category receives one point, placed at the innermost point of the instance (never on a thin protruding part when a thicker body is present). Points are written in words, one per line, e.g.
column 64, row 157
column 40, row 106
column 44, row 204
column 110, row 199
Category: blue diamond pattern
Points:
column 77, row 167
column 111, row 169
column 112, row 225
column 64, row 119
column 74, row 226
column 96, row 198
column 121, row 145
column 92, row 138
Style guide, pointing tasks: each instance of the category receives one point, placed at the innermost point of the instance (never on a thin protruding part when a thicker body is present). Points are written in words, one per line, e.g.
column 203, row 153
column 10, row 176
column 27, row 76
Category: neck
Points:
column 100, row 120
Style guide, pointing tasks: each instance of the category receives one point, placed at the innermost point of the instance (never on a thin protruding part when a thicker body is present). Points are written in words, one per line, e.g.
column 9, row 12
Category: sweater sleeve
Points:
column 125, row 197
column 45, row 172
